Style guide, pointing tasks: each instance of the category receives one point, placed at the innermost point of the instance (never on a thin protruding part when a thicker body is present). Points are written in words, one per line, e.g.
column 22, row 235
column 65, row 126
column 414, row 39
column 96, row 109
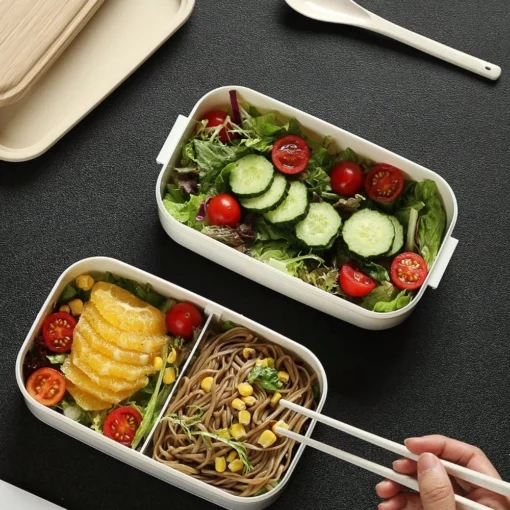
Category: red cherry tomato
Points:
column 384, row 183
column 347, row 178
column 290, row 154
column 57, row 331
column 215, row 118
column 224, row 210
column 408, row 271
column 182, row 319
column 47, row 386
column 121, row 425
column 355, row 283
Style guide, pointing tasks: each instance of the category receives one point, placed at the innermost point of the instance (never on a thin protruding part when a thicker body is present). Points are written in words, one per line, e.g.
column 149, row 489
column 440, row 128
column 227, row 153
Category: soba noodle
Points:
column 184, row 449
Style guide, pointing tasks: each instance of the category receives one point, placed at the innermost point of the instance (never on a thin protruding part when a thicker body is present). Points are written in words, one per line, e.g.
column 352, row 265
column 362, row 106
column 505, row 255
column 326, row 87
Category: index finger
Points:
column 455, row 451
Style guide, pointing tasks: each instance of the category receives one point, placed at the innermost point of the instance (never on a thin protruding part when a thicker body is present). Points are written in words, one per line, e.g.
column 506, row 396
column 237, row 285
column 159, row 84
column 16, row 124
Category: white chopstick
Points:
column 481, row 480
column 406, row 481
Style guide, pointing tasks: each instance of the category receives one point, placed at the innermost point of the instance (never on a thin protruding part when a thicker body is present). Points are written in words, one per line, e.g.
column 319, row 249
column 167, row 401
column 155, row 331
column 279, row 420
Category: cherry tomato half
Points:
column 408, row 271
column 215, row 118
column 355, row 283
column 224, row 210
column 290, row 154
column 384, row 183
column 57, row 331
column 347, row 178
column 121, row 425
column 182, row 319
column 47, row 386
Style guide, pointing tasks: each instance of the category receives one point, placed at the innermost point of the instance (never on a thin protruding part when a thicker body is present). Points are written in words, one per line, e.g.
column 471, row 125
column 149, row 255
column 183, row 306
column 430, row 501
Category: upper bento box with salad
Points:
column 169, row 382
column 305, row 208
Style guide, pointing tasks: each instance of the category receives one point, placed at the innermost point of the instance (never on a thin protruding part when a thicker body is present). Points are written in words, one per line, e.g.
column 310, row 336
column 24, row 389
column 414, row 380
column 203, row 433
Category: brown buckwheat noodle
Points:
column 221, row 357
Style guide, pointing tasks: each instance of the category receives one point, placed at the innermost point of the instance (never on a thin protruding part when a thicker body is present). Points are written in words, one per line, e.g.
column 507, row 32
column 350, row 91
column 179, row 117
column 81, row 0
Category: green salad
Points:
column 350, row 226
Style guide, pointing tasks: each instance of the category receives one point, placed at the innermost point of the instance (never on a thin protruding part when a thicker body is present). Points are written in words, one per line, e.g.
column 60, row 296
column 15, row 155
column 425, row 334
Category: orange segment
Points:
column 111, row 383
column 126, row 312
column 85, row 384
column 107, row 348
column 86, row 401
column 129, row 341
column 102, row 365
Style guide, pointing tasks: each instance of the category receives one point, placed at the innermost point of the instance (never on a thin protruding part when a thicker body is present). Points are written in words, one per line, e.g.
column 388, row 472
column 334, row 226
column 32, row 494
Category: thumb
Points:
column 436, row 490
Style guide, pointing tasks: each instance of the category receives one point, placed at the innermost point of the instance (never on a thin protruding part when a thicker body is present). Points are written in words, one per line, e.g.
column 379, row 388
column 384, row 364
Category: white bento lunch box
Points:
column 136, row 458
column 265, row 274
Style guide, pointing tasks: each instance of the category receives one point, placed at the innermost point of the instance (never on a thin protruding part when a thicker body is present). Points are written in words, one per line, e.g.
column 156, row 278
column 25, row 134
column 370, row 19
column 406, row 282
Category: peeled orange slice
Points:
column 108, row 349
column 124, row 340
column 125, row 311
column 86, row 401
column 111, row 383
column 102, row 365
column 85, row 384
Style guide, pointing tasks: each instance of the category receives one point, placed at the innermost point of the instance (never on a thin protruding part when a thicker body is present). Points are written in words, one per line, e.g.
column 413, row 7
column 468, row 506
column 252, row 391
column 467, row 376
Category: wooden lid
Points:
column 33, row 33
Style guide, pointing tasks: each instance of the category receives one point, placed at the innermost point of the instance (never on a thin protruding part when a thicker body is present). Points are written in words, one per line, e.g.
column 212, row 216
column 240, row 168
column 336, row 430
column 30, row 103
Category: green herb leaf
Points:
column 228, row 325
column 374, row 270
column 68, row 294
column 265, row 377
column 239, row 447
column 57, row 359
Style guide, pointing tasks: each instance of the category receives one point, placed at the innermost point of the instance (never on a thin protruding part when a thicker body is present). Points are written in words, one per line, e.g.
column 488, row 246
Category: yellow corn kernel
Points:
column 172, row 357
column 64, row 308
column 249, row 401
column 169, row 376
column 245, row 389
column 280, row 424
column 232, row 456
column 237, row 431
column 238, row 404
column 270, row 362
column 206, row 384
column 283, row 377
column 266, row 439
column 248, row 353
column 220, row 464
column 158, row 363
column 244, row 417
column 235, row 466
column 262, row 363
column 275, row 399
column 224, row 433
column 85, row 282
column 76, row 306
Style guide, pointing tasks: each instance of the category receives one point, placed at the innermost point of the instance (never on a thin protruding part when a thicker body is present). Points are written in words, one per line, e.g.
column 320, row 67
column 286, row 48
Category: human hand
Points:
column 437, row 490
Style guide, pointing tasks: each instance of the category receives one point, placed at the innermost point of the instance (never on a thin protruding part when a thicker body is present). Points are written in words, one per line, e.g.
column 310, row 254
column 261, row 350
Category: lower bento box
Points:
column 274, row 275
column 186, row 375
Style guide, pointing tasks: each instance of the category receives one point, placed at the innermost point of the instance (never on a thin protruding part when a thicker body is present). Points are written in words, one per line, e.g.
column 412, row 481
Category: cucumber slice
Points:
column 293, row 208
column 398, row 241
column 321, row 225
column 369, row 233
column 411, row 230
column 251, row 176
column 271, row 199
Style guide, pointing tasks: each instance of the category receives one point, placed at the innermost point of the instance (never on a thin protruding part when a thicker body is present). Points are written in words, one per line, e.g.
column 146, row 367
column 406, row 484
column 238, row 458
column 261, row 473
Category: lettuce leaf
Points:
column 432, row 223
column 350, row 155
column 185, row 212
column 143, row 292
column 386, row 298
column 267, row 232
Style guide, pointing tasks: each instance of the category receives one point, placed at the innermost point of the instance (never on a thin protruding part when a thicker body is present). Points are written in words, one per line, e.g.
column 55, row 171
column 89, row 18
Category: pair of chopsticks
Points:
column 478, row 479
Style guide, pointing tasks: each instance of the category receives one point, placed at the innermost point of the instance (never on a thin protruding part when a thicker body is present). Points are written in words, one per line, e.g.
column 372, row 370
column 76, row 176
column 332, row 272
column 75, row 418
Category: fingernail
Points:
column 410, row 439
column 398, row 463
column 427, row 461
column 383, row 506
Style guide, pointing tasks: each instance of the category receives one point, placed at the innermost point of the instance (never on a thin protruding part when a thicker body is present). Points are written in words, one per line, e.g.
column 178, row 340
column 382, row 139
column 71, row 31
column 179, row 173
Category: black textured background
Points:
column 445, row 370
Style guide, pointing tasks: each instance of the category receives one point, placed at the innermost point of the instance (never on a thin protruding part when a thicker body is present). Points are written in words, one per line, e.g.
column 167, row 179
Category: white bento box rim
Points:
column 133, row 457
column 174, row 142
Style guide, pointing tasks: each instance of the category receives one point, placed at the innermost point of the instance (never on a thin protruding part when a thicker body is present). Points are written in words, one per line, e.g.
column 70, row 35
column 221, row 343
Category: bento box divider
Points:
column 211, row 315
column 172, row 140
